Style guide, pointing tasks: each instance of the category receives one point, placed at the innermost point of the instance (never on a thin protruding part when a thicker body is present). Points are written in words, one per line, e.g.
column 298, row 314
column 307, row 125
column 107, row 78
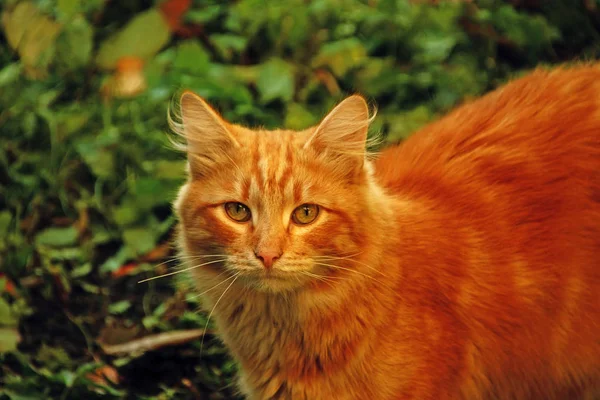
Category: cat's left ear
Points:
column 343, row 132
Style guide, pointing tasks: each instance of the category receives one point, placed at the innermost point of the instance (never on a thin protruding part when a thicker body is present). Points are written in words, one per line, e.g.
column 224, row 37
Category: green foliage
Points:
column 87, row 175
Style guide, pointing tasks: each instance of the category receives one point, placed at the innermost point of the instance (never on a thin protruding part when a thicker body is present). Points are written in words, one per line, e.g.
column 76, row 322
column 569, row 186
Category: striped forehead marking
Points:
column 272, row 161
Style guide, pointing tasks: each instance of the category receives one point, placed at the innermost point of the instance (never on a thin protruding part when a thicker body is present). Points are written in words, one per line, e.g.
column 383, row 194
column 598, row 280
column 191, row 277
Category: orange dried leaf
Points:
column 128, row 80
column 104, row 375
column 173, row 10
column 127, row 269
column 9, row 286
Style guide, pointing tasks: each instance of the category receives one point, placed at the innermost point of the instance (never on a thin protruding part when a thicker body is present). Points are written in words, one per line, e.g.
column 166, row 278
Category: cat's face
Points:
column 276, row 209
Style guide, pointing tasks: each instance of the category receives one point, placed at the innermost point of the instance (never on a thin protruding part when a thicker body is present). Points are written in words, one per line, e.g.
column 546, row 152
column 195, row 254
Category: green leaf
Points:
column 191, row 57
column 53, row 358
column 434, row 46
column 533, row 32
column 9, row 339
column 10, row 73
column 142, row 37
column 74, row 45
column 150, row 321
column 66, row 377
column 119, row 307
column 16, row 22
column 139, row 240
column 69, row 253
column 57, row 237
column 68, row 8
column 82, row 270
column 206, row 14
column 150, row 192
column 298, row 117
column 275, row 81
column 5, row 219
column 113, row 263
column 166, row 169
column 341, row 56
column 126, row 213
column 7, row 317
column 31, row 34
column 70, row 122
column 401, row 125
column 227, row 45
column 100, row 160
column 29, row 393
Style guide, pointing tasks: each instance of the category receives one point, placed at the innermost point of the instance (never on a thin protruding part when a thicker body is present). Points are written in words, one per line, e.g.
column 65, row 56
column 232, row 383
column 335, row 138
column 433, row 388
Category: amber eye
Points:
column 305, row 214
column 238, row 211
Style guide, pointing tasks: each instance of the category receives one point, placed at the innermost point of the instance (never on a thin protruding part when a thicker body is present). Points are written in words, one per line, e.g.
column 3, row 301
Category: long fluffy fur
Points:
column 464, row 263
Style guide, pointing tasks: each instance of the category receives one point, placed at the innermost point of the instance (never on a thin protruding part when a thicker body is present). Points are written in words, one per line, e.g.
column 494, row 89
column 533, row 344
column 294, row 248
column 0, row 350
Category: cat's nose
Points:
column 268, row 257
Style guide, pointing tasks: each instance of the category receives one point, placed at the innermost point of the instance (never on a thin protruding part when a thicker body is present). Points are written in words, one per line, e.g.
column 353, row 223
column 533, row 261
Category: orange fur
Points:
column 462, row 264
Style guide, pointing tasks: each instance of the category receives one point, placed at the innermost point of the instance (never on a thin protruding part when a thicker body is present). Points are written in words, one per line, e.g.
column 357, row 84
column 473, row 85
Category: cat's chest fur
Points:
column 282, row 356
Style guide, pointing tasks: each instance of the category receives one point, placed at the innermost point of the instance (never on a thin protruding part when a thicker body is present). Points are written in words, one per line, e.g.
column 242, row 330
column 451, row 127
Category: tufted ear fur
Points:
column 342, row 135
column 208, row 138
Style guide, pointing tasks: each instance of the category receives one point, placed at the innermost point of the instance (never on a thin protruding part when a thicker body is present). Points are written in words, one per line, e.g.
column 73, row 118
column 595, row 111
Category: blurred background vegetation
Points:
column 87, row 175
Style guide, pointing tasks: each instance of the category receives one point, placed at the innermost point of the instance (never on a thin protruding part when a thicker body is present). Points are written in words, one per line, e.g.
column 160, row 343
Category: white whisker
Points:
column 326, row 258
column 217, row 285
column 350, row 270
column 182, row 270
column 327, row 280
column 187, row 258
column 213, row 309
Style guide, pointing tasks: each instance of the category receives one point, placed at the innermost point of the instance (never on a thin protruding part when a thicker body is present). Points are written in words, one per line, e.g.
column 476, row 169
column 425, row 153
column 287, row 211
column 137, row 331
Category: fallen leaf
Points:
column 128, row 80
column 127, row 269
column 117, row 331
column 7, row 285
column 173, row 10
column 104, row 375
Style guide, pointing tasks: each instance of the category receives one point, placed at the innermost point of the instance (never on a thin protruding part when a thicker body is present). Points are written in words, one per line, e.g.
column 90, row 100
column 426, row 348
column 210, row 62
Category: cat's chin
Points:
column 270, row 283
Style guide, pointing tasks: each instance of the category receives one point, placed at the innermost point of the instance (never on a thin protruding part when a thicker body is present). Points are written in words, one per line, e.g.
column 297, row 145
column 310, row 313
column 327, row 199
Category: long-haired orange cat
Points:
column 461, row 264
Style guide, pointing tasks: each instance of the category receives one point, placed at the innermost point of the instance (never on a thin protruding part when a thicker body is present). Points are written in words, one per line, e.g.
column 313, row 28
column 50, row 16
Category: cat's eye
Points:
column 305, row 214
column 237, row 211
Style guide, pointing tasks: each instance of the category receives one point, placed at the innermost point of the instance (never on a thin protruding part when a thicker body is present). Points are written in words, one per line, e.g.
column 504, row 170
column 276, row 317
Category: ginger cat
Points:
column 462, row 264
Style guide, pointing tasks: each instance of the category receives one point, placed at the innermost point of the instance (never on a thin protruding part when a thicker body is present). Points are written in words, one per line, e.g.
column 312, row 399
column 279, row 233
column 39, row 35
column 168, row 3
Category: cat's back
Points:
column 505, row 227
column 546, row 116
column 530, row 151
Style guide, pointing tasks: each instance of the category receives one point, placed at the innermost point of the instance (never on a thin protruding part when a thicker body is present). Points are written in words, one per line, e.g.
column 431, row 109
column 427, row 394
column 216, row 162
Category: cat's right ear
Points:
column 207, row 135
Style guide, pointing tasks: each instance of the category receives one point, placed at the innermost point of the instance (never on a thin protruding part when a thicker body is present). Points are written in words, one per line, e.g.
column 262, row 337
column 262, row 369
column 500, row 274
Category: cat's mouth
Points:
column 271, row 280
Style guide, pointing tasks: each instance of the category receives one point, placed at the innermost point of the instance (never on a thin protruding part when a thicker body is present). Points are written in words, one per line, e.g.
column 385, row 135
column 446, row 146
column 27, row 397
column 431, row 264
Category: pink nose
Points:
column 268, row 257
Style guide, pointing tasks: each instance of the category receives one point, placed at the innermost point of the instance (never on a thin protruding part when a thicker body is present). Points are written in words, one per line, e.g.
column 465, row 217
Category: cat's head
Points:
column 277, row 209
